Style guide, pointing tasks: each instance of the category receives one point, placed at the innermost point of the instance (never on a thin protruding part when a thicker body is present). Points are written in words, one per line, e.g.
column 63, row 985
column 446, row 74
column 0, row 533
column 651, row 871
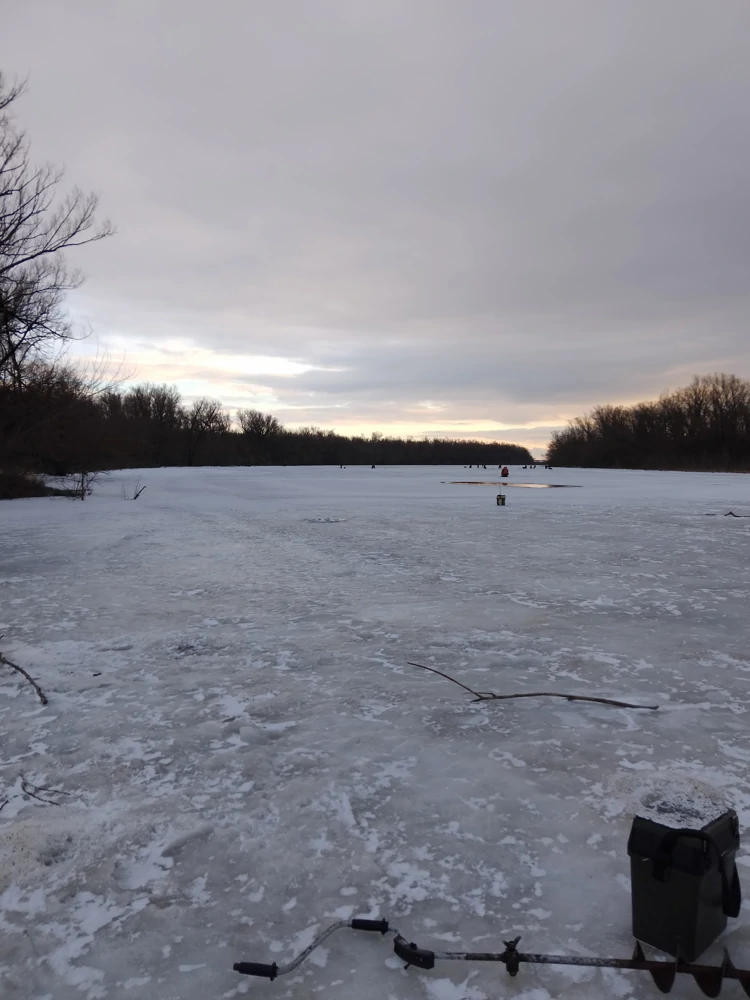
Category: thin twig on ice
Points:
column 568, row 697
column 440, row 673
column 29, row 789
column 490, row 696
column 42, row 696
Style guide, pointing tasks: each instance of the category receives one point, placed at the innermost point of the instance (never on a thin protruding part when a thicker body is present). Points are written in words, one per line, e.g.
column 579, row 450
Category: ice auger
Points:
column 709, row 978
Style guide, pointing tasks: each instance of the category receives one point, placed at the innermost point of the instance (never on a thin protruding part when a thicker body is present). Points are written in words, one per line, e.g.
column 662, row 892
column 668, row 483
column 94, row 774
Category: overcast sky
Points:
column 476, row 217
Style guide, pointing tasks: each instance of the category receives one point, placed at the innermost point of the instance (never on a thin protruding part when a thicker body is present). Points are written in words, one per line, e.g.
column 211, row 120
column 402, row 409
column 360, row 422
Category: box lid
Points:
column 693, row 855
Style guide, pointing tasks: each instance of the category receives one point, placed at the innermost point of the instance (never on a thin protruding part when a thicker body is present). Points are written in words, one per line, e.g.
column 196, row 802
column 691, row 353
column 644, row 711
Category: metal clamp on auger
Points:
column 412, row 955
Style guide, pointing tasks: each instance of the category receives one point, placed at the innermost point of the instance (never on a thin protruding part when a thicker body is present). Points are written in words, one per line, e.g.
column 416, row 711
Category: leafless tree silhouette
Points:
column 38, row 225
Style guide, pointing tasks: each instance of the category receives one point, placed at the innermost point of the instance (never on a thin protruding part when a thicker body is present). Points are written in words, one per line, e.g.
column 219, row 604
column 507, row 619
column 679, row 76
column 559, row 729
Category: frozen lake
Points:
column 240, row 753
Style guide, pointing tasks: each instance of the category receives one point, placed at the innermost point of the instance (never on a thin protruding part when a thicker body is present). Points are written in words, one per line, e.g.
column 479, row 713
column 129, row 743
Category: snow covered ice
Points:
column 235, row 752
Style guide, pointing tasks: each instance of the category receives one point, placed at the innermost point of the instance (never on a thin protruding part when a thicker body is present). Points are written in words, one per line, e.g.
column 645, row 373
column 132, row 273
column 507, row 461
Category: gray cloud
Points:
column 512, row 210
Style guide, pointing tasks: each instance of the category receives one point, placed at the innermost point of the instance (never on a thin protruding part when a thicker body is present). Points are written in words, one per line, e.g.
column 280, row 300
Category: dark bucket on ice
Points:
column 684, row 883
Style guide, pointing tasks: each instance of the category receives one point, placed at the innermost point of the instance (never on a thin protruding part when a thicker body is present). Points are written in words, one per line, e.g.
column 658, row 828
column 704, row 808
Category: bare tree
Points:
column 259, row 431
column 258, row 425
column 37, row 226
column 705, row 425
column 53, row 423
column 205, row 416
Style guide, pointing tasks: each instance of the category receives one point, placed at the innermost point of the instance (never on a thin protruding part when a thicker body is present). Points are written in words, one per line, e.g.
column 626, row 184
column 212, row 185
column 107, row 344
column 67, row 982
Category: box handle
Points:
column 731, row 892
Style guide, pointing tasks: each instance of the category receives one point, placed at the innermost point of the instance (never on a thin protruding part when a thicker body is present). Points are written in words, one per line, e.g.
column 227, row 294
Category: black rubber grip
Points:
column 361, row 924
column 256, row 969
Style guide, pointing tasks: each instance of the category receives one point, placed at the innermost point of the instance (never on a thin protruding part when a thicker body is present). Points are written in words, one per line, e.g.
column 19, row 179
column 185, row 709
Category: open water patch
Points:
column 523, row 486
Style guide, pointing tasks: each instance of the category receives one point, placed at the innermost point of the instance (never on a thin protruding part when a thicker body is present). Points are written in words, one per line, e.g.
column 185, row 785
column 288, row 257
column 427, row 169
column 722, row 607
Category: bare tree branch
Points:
column 490, row 696
column 8, row 663
column 440, row 673
column 31, row 790
column 36, row 228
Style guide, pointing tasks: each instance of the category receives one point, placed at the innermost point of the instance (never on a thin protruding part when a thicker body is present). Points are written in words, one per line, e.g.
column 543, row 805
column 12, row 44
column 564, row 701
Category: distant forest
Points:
column 55, row 422
column 702, row 427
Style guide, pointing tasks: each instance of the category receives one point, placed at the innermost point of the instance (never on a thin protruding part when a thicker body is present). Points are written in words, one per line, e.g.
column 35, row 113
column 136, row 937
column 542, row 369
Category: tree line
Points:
column 704, row 426
column 60, row 419
column 61, row 424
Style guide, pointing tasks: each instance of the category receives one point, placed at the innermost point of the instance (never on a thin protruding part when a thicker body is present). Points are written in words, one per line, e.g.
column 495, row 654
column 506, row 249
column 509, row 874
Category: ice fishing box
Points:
column 684, row 883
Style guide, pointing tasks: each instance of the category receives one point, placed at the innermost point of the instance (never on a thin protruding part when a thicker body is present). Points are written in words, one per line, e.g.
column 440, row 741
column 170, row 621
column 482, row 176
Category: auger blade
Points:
column 710, row 980
column 638, row 954
column 664, row 977
column 730, row 968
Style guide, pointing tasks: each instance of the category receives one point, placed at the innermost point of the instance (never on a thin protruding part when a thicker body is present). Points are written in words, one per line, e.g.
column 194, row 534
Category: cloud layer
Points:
column 449, row 216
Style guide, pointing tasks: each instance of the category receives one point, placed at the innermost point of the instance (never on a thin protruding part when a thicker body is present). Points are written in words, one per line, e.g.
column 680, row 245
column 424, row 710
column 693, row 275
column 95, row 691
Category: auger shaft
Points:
column 709, row 978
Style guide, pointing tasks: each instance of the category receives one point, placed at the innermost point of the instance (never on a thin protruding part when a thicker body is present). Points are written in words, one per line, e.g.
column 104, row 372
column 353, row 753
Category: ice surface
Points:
column 238, row 754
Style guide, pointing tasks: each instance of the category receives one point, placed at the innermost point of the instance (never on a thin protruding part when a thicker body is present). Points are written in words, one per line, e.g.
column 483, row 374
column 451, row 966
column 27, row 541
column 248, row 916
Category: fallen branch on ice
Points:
column 42, row 696
column 491, row 696
column 28, row 789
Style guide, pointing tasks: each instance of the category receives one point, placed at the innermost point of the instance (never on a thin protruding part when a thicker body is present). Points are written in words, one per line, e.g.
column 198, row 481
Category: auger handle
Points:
column 256, row 969
column 362, row 924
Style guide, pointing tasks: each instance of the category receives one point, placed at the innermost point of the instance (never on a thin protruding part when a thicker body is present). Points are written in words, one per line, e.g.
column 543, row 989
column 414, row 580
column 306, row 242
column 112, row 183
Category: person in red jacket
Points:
column 504, row 472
